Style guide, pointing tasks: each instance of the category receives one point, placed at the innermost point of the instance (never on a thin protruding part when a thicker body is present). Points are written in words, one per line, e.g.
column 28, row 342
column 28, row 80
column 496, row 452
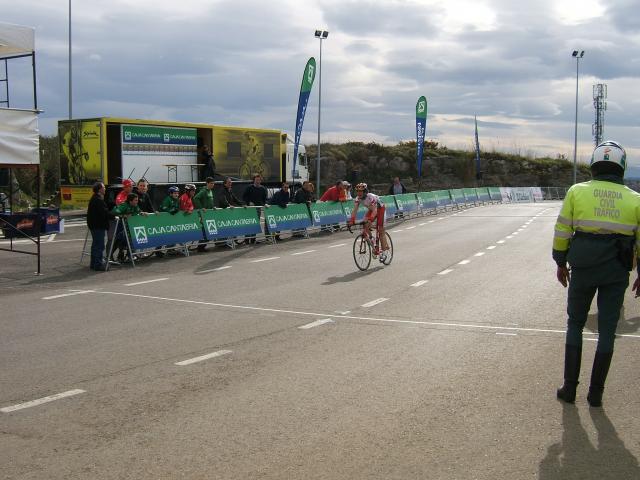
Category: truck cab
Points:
column 301, row 172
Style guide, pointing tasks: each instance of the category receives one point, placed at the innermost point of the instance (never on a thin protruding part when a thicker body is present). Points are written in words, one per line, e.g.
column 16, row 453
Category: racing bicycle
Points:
column 367, row 245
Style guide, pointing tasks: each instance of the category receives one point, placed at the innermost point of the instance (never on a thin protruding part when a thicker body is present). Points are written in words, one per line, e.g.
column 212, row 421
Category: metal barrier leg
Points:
column 110, row 242
column 84, row 247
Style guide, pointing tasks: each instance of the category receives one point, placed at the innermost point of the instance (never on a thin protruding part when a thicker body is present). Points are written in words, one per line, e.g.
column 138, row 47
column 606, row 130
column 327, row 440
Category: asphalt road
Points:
column 284, row 361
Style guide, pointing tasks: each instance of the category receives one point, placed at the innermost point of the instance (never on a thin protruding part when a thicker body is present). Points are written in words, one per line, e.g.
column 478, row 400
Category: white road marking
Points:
column 302, row 253
column 519, row 230
column 146, row 281
column 264, row 259
column 444, row 272
column 337, row 245
column 491, row 247
column 317, row 323
column 51, row 237
column 40, row 401
column 419, row 284
column 77, row 292
column 509, row 236
column 374, row 302
column 524, row 226
column 353, row 317
column 215, row 269
column 219, row 353
column 343, row 313
column 411, row 228
column 515, row 233
column 510, row 334
column 464, row 262
column 431, row 221
column 422, row 224
column 592, row 339
column 500, row 241
column 479, row 254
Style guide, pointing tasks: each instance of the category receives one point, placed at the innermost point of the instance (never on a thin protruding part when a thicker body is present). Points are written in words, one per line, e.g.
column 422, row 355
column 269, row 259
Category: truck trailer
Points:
column 168, row 153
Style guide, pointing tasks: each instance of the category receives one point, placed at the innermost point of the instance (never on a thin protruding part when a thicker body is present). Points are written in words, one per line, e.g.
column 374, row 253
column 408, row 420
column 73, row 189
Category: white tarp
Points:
column 19, row 137
column 16, row 40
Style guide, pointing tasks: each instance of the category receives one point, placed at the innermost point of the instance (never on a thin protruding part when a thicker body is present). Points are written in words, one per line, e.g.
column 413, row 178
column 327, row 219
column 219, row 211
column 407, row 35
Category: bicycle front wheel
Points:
column 362, row 252
column 387, row 260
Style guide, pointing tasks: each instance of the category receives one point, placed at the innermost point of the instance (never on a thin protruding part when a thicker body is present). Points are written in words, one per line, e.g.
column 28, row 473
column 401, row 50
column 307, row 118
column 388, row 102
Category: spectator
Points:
column 332, row 194
column 203, row 200
column 125, row 210
column 127, row 188
column 171, row 204
column 304, row 194
column 255, row 194
column 186, row 199
column 144, row 200
column 208, row 162
column 345, row 193
column 397, row 187
column 98, row 217
column 227, row 198
column 282, row 196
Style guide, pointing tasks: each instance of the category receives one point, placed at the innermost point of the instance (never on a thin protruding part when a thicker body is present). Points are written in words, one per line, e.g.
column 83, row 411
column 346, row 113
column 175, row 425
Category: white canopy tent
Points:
column 16, row 40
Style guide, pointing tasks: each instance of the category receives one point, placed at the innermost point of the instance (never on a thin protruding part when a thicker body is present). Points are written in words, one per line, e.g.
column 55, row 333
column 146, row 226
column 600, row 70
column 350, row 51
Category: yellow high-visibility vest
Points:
column 598, row 207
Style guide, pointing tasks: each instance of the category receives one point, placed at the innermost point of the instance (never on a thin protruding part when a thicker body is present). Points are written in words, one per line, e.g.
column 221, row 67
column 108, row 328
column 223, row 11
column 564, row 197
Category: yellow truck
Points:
column 167, row 153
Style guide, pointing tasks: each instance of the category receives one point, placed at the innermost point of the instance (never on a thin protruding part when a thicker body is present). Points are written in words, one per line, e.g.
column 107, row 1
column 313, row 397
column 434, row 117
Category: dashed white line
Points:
column 302, row 253
column 419, row 284
column 337, row 245
column 508, row 334
column 317, row 323
column 215, row 269
column 464, row 262
column 479, row 254
column 146, row 281
column 509, row 236
column 264, row 259
column 500, row 241
column 374, row 302
column 515, row 233
column 411, row 228
column 343, row 312
column 201, row 358
column 431, row 221
column 40, row 401
column 422, row 224
column 444, row 272
column 491, row 247
column 79, row 292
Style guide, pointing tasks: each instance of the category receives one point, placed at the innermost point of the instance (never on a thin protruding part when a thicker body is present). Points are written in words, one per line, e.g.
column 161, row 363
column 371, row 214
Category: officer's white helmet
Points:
column 610, row 152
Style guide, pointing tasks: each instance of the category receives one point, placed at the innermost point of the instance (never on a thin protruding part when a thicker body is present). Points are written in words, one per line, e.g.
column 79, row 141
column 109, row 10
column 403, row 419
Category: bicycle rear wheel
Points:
column 362, row 252
column 387, row 260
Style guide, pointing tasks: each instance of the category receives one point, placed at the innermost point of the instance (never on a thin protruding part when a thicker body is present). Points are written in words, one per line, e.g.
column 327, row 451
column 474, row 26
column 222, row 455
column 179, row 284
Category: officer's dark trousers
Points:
column 610, row 280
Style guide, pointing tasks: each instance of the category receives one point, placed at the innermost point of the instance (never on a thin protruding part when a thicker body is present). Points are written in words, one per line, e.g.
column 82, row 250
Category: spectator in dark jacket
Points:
column 282, row 196
column 144, row 200
column 397, row 187
column 98, row 217
column 227, row 198
column 255, row 194
column 304, row 194
column 208, row 162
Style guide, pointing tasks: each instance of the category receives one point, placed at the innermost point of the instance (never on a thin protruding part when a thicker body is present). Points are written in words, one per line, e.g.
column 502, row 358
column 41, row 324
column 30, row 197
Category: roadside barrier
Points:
column 163, row 231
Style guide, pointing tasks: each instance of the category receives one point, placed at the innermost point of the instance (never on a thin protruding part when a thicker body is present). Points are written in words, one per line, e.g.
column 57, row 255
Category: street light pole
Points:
column 70, row 76
column 578, row 56
column 320, row 35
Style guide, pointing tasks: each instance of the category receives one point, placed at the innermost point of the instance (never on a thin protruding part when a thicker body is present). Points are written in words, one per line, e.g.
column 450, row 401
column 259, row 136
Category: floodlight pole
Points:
column 578, row 56
column 320, row 35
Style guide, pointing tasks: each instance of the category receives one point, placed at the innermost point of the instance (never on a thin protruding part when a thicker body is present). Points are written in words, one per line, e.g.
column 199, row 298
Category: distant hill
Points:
column 442, row 167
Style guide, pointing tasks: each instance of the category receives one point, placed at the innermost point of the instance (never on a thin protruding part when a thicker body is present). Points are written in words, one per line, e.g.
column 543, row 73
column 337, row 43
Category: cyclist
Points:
column 375, row 212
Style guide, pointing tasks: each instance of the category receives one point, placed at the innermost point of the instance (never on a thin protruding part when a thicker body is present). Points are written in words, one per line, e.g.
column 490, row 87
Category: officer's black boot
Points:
column 572, row 357
column 601, row 364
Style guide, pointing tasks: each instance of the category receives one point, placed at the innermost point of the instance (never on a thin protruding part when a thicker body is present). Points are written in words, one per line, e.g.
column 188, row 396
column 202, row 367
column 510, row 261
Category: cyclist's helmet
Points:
column 127, row 182
column 189, row 186
column 173, row 190
column 610, row 152
column 362, row 187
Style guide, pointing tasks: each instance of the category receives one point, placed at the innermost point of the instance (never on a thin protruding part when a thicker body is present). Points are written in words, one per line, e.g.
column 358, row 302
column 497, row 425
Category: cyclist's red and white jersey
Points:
column 369, row 200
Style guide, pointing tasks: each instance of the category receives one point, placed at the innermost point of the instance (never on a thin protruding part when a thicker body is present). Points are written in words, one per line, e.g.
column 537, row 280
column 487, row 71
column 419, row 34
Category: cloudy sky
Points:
column 240, row 62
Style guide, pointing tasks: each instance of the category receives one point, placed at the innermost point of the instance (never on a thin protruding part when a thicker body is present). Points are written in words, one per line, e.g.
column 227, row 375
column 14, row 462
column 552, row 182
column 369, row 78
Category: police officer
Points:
column 596, row 233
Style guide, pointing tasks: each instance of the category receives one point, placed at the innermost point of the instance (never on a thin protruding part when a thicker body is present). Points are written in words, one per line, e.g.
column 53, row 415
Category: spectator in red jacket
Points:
column 186, row 202
column 127, row 188
column 332, row 194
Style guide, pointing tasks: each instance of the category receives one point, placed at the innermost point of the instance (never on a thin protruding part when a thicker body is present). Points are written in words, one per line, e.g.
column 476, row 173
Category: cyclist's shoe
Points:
column 383, row 257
